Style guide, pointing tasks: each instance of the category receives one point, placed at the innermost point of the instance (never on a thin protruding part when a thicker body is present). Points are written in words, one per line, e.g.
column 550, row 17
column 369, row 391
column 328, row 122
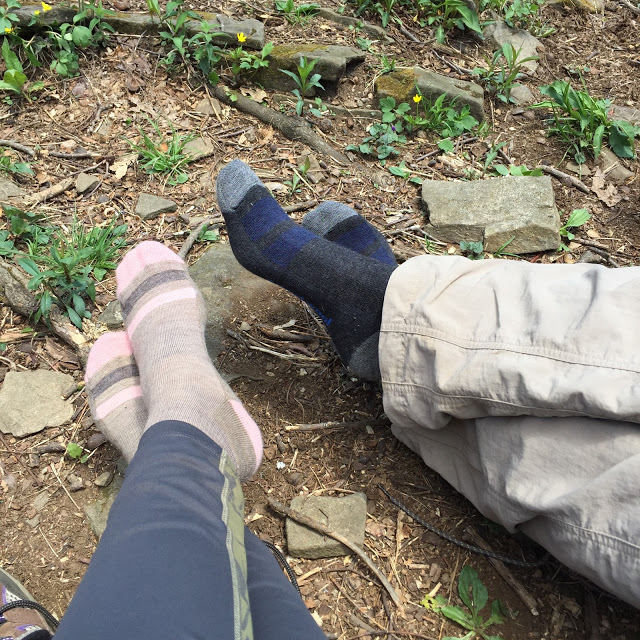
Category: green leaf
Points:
column 74, row 317
column 98, row 273
column 457, row 615
column 446, row 145
column 81, row 36
column 597, row 140
column 501, row 169
column 577, row 218
column 74, row 451
column 78, row 304
column 621, row 138
column 10, row 58
column 29, row 266
column 15, row 78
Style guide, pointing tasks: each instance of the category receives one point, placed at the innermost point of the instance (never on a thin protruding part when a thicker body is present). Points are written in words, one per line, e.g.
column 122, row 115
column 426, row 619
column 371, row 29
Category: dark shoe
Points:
column 20, row 617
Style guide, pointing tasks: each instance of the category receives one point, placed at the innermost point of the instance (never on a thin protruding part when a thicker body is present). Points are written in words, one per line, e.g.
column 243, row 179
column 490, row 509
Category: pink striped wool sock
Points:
column 165, row 316
column 115, row 395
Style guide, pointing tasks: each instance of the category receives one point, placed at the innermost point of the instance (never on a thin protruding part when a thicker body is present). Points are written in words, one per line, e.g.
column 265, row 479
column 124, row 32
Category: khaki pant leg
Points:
column 470, row 339
column 571, row 484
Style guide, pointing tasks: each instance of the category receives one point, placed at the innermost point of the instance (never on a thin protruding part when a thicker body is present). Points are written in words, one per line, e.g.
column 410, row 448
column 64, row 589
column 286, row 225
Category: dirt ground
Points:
column 49, row 547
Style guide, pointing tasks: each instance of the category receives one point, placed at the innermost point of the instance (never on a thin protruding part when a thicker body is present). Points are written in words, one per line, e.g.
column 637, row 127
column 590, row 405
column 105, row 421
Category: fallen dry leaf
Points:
column 607, row 193
column 121, row 164
column 255, row 94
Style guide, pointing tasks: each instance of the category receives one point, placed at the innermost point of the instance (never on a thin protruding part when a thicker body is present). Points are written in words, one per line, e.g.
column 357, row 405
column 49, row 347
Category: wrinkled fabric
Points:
column 518, row 383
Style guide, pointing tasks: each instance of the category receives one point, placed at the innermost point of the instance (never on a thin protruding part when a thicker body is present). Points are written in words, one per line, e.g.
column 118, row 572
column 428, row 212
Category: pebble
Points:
column 75, row 482
column 295, row 478
column 95, row 440
column 282, row 447
column 33, row 522
column 104, row 479
column 34, row 460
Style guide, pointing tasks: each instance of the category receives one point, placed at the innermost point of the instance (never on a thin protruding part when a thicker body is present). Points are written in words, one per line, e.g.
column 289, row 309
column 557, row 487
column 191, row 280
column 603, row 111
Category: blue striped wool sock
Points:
column 345, row 288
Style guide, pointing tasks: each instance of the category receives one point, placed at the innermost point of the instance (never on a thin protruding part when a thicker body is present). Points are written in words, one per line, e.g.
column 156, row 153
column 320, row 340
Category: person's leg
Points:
column 346, row 289
column 570, row 484
column 171, row 562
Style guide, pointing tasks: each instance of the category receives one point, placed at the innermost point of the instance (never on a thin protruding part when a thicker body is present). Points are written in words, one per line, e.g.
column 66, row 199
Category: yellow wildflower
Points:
column 36, row 12
column 45, row 6
column 8, row 30
column 417, row 98
column 241, row 37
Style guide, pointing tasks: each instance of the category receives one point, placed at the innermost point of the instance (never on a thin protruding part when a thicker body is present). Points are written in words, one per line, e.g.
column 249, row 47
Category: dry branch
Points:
column 52, row 192
column 300, row 206
column 318, row 426
column 12, row 144
column 193, row 236
column 314, row 524
column 528, row 600
column 293, row 128
column 565, row 178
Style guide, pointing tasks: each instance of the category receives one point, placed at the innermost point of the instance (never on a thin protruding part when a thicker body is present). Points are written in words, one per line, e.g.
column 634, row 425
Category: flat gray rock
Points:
column 346, row 516
column 630, row 114
column 521, row 209
column 150, row 206
column 112, row 315
column 499, row 33
column 521, row 94
column 97, row 512
column 230, row 291
column 613, row 167
column 9, row 189
column 32, row 400
column 198, row 147
column 86, row 182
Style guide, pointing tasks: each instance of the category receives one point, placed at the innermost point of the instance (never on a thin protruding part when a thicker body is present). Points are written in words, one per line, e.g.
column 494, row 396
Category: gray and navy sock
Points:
column 345, row 288
column 339, row 223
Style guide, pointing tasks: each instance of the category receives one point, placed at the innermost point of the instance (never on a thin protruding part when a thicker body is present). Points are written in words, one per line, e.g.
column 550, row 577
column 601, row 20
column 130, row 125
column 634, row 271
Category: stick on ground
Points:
column 565, row 178
column 314, row 524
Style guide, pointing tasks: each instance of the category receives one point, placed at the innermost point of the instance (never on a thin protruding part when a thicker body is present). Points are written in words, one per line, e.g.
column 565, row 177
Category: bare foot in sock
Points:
column 345, row 288
column 164, row 317
column 115, row 396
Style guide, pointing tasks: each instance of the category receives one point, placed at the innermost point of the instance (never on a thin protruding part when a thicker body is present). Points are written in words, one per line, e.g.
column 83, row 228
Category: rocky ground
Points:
column 54, row 506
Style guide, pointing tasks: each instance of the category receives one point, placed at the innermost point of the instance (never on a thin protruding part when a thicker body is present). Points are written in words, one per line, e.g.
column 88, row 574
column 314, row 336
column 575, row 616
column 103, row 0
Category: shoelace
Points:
column 29, row 604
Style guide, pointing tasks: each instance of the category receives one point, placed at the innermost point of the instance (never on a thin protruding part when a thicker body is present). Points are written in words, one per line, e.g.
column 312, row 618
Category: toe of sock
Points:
column 134, row 262
column 233, row 182
column 108, row 346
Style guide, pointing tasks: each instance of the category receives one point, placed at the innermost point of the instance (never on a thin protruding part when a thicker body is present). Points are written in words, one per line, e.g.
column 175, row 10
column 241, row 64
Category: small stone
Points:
column 150, row 206
column 33, row 400
column 95, row 440
column 34, row 460
column 33, row 522
column 282, row 447
column 198, row 148
column 104, row 479
column 295, row 478
column 612, row 167
column 205, row 107
column 498, row 33
column 245, row 326
column 521, row 94
column 9, row 189
column 86, row 182
column 97, row 512
column 102, row 199
column 580, row 170
column 346, row 516
column 589, row 257
column 87, row 422
column 270, row 452
column 112, row 315
column 75, row 482
column 630, row 114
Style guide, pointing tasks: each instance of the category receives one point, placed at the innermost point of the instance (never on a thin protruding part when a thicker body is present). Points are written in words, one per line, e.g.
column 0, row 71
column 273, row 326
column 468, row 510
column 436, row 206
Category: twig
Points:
column 285, row 356
column 18, row 147
column 564, row 178
column 404, row 31
column 528, row 600
column 406, row 634
column 629, row 6
column 195, row 234
column 335, row 424
column 52, row 192
column 81, row 155
column 314, row 524
column 53, row 468
column 300, row 206
column 97, row 114
column 599, row 250
column 452, row 65
column 48, row 543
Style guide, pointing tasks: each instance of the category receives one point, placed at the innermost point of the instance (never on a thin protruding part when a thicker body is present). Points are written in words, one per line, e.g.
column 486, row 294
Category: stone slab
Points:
column 230, row 291
column 372, row 30
column 401, row 86
column 630, row 114
column 517, row 208
column 346, row 516
column 150, row 206
column 33, row 400
column 499, row 33
column 97, row 512
column 9, row 189
column 198, row 147
column 86, row 182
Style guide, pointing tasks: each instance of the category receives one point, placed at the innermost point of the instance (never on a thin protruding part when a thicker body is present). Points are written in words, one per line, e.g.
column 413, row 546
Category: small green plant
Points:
column 387, row 64
column 297, row 178
column 475, row 596
column 319, row 109
column 521, row 14
column 474, row 250
column 246, row 62
column 402, row 171
column 14, row 78
column 504, row 68
column 64, row 269
column 384, row 135
column 583, row 122
column 163, row 155
column 577, row 218
column 440, row 116
column 7, row 17
column 299, row 14
column 446, row 15
column 9, row 165
column 364, row 44
column 76, row 452
column 304, row 80
column 516, row 170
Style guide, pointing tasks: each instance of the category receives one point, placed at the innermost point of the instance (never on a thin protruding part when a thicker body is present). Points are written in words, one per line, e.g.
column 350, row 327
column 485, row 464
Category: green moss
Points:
column 400, row 85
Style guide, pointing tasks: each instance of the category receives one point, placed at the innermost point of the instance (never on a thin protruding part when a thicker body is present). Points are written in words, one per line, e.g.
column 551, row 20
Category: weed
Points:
column 298, row 177
column 76, row 452
column 164, row 156
column 319, row 109
column 7, row 17
column 246, row 62
column 442, row 118
column 403, row 172
column 473, row 251
column 505, row 67
column 516, row 170
column 474, row 595
column 296, row 14
column 521, row 14
column 577, row 218
column 304, row 80
column 583, row 122
column 8, row 165
column 63, row 265
column 387, row 64
column 14, row 78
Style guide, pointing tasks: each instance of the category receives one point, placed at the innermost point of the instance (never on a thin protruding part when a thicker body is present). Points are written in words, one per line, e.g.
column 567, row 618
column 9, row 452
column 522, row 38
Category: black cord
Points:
column 29, row 604
column 282, row 561
column 461, row 543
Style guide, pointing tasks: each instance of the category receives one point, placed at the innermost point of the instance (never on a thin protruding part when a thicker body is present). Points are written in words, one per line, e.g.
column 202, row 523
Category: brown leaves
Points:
column 606, row 192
